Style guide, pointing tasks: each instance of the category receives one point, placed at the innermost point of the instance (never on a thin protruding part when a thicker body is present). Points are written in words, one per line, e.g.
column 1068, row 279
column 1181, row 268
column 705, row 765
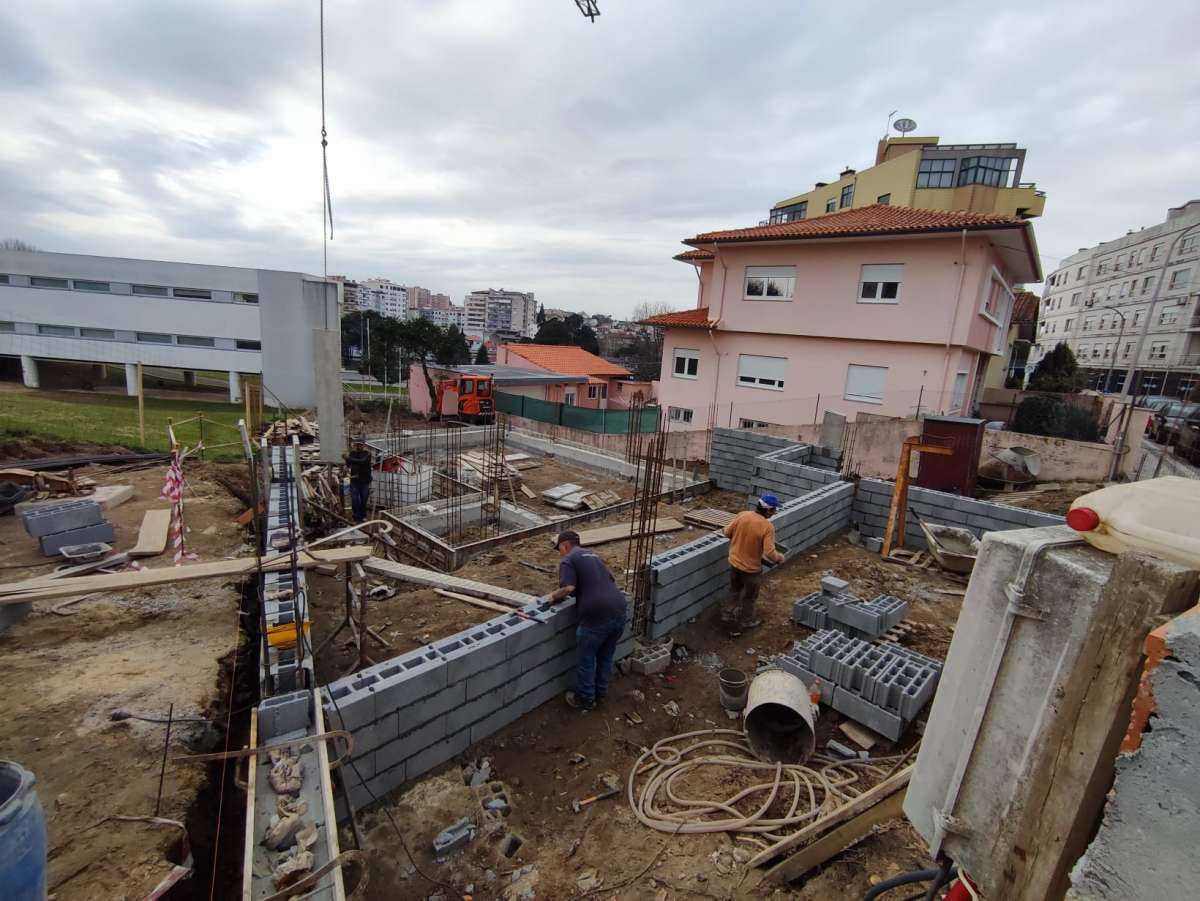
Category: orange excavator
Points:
column 476, row 400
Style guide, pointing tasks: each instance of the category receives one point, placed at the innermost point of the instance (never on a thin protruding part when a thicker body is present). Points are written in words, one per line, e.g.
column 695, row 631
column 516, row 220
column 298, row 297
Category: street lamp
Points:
column 1116, row 350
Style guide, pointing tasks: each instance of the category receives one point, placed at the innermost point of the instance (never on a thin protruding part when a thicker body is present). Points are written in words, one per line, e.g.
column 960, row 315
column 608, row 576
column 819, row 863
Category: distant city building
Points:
column 439, row 317
column 500, row 313
column 919, row 172
column 354, row 298
column 418, row 298
column 1130, row 305
column 387, row 298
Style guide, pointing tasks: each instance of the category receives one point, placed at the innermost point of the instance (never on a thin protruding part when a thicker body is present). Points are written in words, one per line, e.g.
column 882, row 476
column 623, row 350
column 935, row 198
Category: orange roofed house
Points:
column 608, row 385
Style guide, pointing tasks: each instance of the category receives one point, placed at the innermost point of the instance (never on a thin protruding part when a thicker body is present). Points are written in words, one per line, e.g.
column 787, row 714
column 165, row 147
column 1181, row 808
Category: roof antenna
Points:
column 589, row 9
column 888, row 130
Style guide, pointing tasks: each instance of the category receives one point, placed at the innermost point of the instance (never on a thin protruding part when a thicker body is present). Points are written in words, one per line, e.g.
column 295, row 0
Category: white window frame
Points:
column 1188, row 244
column 1180, row 278
column 764, row 383
column 1161, row 352
column 785, row 276
column 679, row 414
column 860, row 397
column 569, row 398
column 996, row 279
column 744, row 423
column 958, row 390
column 592, row 393
column 879, row 269
column 686, row 354
column 57, row 331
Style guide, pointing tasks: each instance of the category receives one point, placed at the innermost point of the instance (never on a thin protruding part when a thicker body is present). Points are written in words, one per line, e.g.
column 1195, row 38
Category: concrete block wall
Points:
column 788, row 473
column 874, row 497
column 734, row 452
column 690, row 578
column 414, row 712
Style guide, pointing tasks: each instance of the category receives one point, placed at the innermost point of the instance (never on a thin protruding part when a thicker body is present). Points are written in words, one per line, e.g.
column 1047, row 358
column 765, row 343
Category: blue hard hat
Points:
column 769, row 500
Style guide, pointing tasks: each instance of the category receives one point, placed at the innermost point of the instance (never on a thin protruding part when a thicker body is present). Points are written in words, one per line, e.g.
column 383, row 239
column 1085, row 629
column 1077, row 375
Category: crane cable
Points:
column 327, row 199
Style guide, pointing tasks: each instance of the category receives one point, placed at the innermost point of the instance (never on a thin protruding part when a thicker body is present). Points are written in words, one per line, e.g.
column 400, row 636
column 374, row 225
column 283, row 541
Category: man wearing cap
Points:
column 751, row 540
column 358, row 462
column 601, row 606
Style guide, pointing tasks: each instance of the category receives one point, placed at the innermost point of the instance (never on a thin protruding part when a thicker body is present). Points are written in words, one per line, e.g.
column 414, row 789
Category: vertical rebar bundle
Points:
column 643, row 522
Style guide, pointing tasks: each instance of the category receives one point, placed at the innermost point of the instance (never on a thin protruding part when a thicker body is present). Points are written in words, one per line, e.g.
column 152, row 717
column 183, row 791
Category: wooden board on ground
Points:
column 598, row 499
column 402, row 572
column 39, row 590
column 475, row 602
column 860, row 735
column 152, row 536
column 592, row 537
column 528, row 492
column 709, row 518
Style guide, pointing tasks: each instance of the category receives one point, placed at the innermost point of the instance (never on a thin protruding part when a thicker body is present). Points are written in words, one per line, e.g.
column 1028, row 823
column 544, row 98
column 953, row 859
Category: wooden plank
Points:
column 476, row 602
column 860, row 735
column 431, row 579
column 528, row 492
column 152, row 536
column 841, row 838
column 592, row 537
column 251, row 788
column 709, row 518
column 832, row 820
column 41, row 590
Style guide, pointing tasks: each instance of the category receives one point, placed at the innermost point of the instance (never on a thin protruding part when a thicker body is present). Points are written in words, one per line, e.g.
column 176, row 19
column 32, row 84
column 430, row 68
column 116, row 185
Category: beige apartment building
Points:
column 1130, row 306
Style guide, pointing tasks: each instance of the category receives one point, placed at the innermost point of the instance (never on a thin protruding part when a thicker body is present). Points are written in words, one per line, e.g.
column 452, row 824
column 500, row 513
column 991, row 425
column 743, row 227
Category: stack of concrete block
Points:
column 692, row 577
column 881, row 686
column 788, row 473
column 68, row 523
column 412, row 713
column 834, row 607
column 285, row 596
column 650, row 659
column 733, row 456
column 874, row 499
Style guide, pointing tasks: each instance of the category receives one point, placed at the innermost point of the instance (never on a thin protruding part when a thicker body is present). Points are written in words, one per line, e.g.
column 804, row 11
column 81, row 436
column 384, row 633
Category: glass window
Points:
column 1081, row 273
column 761, row 372
column 679, row 414
column 1188, row 244
column 1075, row 298
column 830, row 205
column 61, row 331
column 686, row 363
column 1158, row 350
column 245, row 298
column 1180, row 278
column 1088, row 322
column 753, row 424
column 105, row 334
column 935, row 174
column 193, row 293
column 194, row 341
column 1147, row 284
column 8, row 326
column 40, row 281
column 3, row 279
column 248, row 345
column 792, row 213
column 592, row 394
column 865, row 383
column 848, row 195
column 149, row 290
column 153, row 338
column 82, row 285
column 880, row 283
column 769, row 282
column 1154, row 254
column 996, row 171
column 884, row 199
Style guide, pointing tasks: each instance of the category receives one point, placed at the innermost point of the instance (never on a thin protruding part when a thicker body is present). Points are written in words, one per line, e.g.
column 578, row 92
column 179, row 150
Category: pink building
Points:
column 603, row 378
column 878, row 310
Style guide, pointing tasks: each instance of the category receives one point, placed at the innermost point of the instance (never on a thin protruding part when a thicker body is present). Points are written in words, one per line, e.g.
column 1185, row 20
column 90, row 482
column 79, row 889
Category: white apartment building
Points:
column 439, row 317
column 387, row 298
column 506, row 314
column 110, row 310
column 1130, row 306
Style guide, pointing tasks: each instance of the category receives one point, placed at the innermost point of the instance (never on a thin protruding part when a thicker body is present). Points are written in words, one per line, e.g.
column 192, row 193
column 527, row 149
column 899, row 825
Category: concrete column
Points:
column 131, row 385
column 235, row 386
column 29, row 373
column 189, row 379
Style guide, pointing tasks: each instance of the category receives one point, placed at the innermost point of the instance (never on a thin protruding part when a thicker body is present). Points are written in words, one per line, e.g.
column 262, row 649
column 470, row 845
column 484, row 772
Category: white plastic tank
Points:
column 1157, row 516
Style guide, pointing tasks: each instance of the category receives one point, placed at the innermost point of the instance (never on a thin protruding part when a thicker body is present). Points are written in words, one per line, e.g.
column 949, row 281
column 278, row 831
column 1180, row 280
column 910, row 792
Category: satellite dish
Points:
column 904, row 126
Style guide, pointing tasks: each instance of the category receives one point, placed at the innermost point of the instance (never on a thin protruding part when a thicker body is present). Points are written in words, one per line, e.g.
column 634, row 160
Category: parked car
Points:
column 1187, row 444
column 1168, row 418
column 1154, row 402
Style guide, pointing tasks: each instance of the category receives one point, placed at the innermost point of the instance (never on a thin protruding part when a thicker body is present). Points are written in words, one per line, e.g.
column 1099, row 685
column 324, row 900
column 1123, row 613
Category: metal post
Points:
column 162, row 770
column 141, row 406
column 200, row 416
column 817, row 410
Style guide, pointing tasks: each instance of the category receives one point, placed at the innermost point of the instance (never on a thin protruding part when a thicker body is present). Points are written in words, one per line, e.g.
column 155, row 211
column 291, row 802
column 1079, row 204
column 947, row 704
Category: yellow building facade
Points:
column 920, row 172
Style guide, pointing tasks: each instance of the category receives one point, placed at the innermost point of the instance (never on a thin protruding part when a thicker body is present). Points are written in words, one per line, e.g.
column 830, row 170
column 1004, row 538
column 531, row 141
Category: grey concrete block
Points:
column 862, row 711
column 463, row 716
column 833, row 585
column 51, row 544
column 495, row 721
column 62, row 517
column 469, row 652
column 430, row 706
column 283, row 713
column 437, row 754
column 411, row 743
column 346, row 707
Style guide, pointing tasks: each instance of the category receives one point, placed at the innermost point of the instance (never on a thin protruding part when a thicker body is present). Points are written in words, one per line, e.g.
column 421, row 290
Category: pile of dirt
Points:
column 16, row 447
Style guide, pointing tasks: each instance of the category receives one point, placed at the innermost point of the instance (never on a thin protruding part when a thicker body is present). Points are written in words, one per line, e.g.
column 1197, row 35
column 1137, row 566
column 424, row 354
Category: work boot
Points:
column 573, row 700
column 746, row 627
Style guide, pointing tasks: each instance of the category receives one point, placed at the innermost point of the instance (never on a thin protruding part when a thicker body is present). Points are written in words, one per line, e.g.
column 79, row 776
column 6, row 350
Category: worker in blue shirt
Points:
column 601, row 606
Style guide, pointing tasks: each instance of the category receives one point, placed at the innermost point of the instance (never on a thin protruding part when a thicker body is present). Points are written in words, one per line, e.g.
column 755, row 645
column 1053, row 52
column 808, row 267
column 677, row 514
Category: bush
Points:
column 1058, row 371
column 1055, row 418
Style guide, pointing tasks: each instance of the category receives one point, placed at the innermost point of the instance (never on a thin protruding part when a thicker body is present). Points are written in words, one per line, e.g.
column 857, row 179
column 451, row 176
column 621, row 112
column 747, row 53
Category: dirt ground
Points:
column 531, row 758
column 1053, row 500
column 139, row 652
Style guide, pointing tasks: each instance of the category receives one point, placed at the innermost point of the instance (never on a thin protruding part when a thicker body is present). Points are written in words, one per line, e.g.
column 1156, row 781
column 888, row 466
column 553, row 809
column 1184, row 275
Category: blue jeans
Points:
column 595, row 646
column 358, row 499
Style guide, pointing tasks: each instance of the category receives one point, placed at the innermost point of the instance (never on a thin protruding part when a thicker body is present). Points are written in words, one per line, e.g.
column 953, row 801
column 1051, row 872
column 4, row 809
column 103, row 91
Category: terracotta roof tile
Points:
column 1025, row 306
column 869, row 220
column 568, row 360
column 697, row 318
column 695, row 255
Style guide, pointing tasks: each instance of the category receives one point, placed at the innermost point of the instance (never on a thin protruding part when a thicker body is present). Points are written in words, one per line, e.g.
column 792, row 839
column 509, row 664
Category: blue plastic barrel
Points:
column 22, row 836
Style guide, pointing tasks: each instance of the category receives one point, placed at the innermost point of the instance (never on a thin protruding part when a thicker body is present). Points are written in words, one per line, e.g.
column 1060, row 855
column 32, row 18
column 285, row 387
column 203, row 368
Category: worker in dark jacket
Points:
column 601, row 606
column 358, row 463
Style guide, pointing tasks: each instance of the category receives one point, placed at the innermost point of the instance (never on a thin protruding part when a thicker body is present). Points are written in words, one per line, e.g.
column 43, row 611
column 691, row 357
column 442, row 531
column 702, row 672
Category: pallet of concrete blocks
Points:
column 834, row 607
column 881, row 686
column 70, row 523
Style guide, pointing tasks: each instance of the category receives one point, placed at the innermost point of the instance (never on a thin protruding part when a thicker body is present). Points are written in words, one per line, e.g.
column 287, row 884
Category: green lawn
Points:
column 113, row 419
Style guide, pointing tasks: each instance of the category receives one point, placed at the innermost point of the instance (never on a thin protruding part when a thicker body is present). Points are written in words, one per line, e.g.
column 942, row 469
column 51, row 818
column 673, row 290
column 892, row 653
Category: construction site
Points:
column 232, row 690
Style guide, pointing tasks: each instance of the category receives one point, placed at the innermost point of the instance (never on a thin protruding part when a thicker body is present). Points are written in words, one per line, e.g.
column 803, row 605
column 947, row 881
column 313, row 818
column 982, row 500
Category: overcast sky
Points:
column 511, row 143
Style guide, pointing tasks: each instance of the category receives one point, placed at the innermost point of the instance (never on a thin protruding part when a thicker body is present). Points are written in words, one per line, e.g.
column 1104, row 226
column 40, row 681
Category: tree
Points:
column 481, row 356
column 541, row 314
column 552, row 331
column 18, row 244
column 1055, row 417
column 586, row 338
column 1058, row 371
column 420, row 340
column 646, row 309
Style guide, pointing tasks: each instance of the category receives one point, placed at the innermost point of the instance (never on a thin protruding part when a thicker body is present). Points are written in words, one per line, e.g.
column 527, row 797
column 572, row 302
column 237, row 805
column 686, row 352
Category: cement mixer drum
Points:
column 1021, row 460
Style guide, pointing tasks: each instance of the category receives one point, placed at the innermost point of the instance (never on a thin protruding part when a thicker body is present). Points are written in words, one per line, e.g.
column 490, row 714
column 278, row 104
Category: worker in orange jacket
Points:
column 751, row 541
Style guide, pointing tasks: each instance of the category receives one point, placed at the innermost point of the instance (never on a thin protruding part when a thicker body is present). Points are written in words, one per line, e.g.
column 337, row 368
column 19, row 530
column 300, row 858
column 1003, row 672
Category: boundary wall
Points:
column 414, row 712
